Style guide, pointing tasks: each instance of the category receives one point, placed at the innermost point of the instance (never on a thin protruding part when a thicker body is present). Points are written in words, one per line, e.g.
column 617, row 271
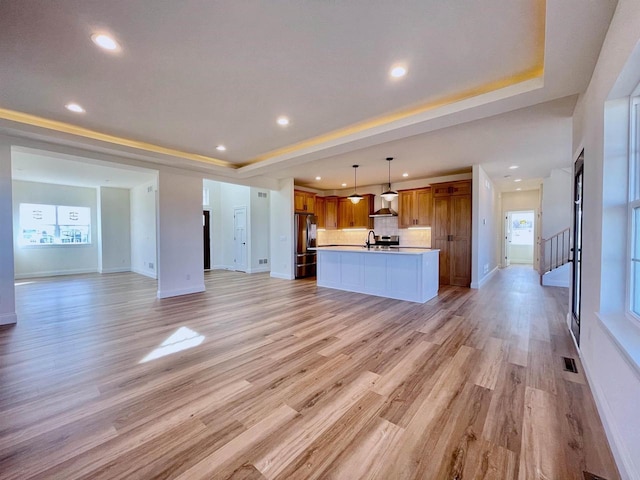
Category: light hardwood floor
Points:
column 292, row 381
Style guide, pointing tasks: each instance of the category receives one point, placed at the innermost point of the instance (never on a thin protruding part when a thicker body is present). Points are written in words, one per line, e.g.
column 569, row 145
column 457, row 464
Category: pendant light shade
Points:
column 389, row 194
column 355, row 198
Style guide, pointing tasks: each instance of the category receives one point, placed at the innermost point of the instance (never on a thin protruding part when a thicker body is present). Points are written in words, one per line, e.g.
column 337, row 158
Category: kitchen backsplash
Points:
column 383, row 226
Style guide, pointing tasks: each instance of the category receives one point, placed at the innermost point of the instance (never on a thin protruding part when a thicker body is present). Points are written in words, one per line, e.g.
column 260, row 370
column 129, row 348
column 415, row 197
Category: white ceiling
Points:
column 29, row 166
column 192, row 75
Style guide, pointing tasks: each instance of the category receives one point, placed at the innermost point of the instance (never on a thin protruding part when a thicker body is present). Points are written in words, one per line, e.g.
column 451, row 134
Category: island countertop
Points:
column 399, row 250
column 401, row 273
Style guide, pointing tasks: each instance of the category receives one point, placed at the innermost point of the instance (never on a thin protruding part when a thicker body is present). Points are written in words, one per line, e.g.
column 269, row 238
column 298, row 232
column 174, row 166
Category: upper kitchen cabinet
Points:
column 355, row 215
column 451, row 231
column 304, row 202
column 415, row 208
column 320, row 212
column 331, row 213
column 462, row 187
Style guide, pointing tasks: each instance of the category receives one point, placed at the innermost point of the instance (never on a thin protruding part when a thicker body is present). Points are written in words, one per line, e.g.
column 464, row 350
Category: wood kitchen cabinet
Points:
column 304, row 202
column 451, row 231
column 320, row 212
column 355, row 216
column 415, row 208
column 331, row 213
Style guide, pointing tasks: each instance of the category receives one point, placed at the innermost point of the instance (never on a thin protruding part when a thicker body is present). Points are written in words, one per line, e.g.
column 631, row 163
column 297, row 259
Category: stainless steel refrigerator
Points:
column 305, row 259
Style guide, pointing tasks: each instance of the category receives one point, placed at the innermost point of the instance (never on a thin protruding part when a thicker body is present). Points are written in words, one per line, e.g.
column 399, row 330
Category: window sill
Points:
column 625, row 334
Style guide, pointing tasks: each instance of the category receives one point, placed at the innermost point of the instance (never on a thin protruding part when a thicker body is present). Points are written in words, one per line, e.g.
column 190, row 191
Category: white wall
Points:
column 520, row 201
column 556, row 202
column 114, row 230
column 180, row 244
column 143, row 229
column 259, row 221
column 599, row 128
column 7, row 288
column 48, row 260
column 485, row 220
column 281, row 230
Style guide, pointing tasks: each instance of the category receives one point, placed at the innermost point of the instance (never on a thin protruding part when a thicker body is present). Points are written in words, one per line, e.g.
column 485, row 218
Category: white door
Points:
column 240, row 238
column 507, row 241
column 521, row 238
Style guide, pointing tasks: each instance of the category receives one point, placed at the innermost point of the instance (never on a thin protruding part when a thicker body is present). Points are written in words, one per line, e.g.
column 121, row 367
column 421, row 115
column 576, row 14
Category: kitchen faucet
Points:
column 368, row 243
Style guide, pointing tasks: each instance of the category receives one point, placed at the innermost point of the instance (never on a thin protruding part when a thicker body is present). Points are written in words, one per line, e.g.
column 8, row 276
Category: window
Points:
column 634, row 209
column 54, row 225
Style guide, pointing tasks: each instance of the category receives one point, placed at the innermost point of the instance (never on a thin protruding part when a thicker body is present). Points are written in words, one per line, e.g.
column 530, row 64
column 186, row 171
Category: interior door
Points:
column 460, row 240
column 576, row 291
column 507, row 240
column 240, row 238
column 206, row 239
column 440, row 237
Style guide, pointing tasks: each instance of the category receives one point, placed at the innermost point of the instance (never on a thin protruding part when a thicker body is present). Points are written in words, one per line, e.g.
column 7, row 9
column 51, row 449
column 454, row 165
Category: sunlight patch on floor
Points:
column 182, row 339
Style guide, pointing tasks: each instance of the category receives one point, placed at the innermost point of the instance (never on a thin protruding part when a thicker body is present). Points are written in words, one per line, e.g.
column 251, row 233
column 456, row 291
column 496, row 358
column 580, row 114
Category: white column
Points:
column 7, row 286
column 180, row 242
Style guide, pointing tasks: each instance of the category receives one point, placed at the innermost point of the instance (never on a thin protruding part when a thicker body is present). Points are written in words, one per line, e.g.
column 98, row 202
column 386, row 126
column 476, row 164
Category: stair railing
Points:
column 554, row 251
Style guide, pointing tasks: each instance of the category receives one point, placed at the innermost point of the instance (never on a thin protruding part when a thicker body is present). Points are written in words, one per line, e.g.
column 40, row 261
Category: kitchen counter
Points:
column 401, row 273
column 374, row 249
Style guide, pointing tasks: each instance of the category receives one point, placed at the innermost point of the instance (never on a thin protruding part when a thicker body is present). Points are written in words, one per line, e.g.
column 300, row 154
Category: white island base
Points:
column 404, row 273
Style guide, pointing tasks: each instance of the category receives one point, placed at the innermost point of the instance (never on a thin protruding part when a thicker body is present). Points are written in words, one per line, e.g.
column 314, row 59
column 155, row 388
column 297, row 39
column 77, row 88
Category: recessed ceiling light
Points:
column 518, row 189
column 398, row 71
column 221, row 148
column 105, row 42
column 518, row 180
column 74, row 107
column 513, row 167
column 344, row 184
column 318, row 178
column 405, row 174
column 283, row 121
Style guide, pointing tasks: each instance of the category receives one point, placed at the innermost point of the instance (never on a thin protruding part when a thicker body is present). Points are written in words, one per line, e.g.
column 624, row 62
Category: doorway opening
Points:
column 519, row 237
column 206, row 239
column 576, row 290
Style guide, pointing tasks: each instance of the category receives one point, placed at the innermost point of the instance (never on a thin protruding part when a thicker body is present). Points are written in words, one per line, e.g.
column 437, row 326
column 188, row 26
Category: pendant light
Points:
column 355, row 198
column 389, row 194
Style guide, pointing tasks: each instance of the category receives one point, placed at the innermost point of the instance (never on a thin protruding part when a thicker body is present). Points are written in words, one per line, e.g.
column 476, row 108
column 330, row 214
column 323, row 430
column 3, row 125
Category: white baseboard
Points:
column 8, row 319
column 620, row 453
column 55, row 273
column 259, row 270
column 115, row 270
column 146, row 273
column 554, row 283
column 281, row 276
column 181, row 291
column 484, row 279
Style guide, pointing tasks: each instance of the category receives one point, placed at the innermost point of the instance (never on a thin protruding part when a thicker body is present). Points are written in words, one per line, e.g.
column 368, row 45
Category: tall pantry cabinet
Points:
column 451, row 231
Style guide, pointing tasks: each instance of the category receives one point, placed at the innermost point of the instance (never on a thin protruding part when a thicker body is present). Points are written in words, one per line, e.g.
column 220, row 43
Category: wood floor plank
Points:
column 291, row 381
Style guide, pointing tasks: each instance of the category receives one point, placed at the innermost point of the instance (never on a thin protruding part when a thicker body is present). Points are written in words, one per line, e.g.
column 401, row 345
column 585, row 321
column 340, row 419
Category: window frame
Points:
column 633, row 203
column 57, row 227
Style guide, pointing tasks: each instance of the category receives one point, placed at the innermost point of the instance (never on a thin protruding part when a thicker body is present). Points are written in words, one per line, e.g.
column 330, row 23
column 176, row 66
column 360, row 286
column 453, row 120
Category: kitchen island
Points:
column 401, row 273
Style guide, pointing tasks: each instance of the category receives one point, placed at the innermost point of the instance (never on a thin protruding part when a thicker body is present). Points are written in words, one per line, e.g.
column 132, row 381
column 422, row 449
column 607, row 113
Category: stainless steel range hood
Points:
column 384, row 212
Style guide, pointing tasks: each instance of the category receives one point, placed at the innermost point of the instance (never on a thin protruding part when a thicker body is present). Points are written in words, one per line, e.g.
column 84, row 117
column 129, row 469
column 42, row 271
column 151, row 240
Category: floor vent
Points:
column 591, row 476
column 570, row 366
